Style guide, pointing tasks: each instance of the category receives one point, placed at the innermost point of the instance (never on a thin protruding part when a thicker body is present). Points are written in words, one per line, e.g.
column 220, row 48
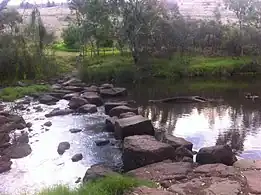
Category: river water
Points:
column 236, row 121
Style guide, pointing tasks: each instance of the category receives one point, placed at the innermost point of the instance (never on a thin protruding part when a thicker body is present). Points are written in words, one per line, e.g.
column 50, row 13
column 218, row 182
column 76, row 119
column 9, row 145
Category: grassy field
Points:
column 121, row 68
column 110, row 185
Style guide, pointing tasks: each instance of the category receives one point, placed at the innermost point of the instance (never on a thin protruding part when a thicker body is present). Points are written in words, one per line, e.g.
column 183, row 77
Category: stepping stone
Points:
column 135, row 125
column 247, row 164
column 253, row 178
column 139, row 151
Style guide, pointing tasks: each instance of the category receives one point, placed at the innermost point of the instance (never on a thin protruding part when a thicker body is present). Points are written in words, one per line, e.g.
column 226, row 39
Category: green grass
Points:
column 13, row 93
column 121, row 68
column 110, row 185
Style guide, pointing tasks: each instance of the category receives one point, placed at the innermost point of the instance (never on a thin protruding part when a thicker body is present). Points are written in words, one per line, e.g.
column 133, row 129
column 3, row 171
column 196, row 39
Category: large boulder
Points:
column 177, row 142
column 62, row 147
column 59, row 112
column 47, row 99
column 110, row 105
column 135, row 125
column 19, row 150
column 113, row 92
column 139, row 151
column 5, row 164
column 93, row 98
column 216, row 154
column 87, row 108
column 96, row 172
column 77, row 102
column 117, row 111
column 3, row 120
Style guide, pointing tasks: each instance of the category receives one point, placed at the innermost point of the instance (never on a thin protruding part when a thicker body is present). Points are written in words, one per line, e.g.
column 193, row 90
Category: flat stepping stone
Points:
column 87, row 108
column 110, row 105
column 149, row 191
column 253, row 178
column 216, row 169
column 113, row 92
column 75, row 130
column 159, row 172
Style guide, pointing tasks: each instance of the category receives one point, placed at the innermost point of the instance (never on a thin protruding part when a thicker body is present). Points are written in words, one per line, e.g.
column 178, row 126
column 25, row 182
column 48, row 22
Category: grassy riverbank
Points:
column 13, row 93
column 110, row 185
column 121, row 68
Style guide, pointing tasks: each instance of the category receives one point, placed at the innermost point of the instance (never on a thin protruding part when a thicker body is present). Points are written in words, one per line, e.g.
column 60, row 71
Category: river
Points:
column 235, row 121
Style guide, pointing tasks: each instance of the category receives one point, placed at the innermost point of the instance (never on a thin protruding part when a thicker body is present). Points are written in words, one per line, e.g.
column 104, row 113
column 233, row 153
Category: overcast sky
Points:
column 17, row 2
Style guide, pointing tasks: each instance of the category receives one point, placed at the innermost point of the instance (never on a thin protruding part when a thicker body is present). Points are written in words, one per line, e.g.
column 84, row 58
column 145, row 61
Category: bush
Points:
column 71, row 37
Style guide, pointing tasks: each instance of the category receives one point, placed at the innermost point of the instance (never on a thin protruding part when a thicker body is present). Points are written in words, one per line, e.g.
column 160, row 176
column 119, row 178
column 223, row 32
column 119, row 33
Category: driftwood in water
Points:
column 182, row 99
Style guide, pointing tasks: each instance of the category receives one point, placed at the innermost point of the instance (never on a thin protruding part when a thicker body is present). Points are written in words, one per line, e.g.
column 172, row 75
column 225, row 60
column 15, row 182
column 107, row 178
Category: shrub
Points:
column 72, row 36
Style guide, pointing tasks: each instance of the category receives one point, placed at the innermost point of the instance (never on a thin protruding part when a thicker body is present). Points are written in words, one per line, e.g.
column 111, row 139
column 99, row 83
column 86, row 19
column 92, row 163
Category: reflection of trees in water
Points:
column 243, row 119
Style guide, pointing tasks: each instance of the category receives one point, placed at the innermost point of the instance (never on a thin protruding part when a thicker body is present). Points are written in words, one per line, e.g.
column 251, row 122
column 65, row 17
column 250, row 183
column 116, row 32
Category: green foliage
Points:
column 110, row 185
column 72, row 36
column 13, row 93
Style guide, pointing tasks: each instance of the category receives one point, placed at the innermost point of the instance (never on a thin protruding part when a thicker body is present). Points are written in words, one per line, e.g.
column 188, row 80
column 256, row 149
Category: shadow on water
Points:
column 236, row 121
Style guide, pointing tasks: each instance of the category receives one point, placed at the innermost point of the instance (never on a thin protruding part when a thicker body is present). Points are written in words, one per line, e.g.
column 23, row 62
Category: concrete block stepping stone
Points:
column 142, row 150
column 135, row 125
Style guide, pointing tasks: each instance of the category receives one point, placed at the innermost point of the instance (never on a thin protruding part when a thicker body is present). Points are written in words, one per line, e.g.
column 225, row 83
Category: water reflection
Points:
column 236, row 121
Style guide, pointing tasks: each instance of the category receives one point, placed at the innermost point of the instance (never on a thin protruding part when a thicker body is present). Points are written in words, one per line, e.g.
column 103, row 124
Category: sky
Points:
column 17, row 2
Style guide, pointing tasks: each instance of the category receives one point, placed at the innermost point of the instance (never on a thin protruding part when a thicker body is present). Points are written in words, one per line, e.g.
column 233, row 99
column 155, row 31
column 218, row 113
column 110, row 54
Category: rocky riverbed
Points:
column 77, row 127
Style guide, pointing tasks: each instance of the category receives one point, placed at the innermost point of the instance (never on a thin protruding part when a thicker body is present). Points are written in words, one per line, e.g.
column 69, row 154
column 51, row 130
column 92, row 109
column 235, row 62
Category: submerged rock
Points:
column 19, row 150
column 48, row 124
column 216, row 154
column 77, row 157
column 110, row 123
column 102, row 142
column 77, row 102
column 75, row 130
column 62, row 147
column 142, row 150
column 29, row 125
column 96, row 172
column 113, row 92
column 59, row 112
column 135, row 125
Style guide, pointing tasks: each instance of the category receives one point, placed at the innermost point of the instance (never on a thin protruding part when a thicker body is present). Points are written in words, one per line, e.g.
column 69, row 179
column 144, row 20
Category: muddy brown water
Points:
column 235, row 121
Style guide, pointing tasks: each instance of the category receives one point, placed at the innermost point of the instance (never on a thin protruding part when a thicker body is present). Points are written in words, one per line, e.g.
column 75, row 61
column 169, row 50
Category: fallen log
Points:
column 183, row 99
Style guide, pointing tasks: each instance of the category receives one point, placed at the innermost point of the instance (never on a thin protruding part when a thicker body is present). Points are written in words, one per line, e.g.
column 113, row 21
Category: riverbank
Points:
column 121, row 68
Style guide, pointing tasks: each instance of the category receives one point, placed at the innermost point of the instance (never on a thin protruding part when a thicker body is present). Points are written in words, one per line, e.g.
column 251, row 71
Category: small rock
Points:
column 102, row 142
column 29, row 125
column 87, row 108
column 77, row 157
column 59, row 112
column 117, row 111
column 78, row 180
column 30, row 130
column 62, row 147
column 75, row 130
column 48, row 124
column 5, row 164
column 38, row 108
